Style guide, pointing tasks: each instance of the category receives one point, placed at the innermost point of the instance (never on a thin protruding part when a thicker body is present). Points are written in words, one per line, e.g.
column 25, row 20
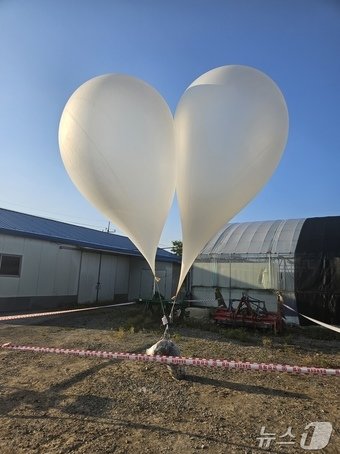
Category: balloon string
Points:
column 159, row 295
column 172, row 309
column 166, row 333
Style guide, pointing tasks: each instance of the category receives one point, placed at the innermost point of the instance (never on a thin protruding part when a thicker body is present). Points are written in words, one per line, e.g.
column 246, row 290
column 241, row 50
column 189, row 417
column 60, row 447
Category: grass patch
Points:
column 137, row 318
column 311, row 332
column 120, row 333
column 318, row 332
column 138, row 321
column 177, row 337
column 239, row 334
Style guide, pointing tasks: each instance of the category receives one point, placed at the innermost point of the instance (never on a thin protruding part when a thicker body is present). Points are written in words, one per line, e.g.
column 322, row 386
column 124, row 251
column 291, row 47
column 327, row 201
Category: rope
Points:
column 68, row 311
column 325, row 325
column 176, row 360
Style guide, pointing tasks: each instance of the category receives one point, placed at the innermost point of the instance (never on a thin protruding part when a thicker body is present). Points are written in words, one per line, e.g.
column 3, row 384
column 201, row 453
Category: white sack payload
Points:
column 165, row 347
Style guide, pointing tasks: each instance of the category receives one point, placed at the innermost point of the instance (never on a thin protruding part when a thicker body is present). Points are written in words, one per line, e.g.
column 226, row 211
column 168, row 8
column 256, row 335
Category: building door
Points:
column 162, row 283
column 146, row 289
column 88, row 278
column 107, row 278
column 146, row 284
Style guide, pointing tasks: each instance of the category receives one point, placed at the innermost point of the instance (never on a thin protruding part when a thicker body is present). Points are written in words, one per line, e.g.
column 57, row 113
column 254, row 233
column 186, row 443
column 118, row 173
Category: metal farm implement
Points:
column 249, row 312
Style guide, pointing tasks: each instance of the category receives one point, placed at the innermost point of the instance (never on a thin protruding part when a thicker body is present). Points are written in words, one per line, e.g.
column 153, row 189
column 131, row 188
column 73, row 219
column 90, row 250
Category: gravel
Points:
column 59, row 404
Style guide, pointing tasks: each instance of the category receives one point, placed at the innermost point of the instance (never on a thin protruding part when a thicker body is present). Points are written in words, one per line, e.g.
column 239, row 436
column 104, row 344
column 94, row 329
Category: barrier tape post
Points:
column 224, row 364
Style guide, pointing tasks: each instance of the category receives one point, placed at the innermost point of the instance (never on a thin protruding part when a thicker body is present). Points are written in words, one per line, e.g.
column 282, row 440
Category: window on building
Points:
column 10, row 265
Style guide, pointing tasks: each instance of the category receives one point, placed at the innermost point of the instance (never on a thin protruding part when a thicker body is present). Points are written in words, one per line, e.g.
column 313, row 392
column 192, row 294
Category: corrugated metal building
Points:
column 298, row 257
column 45, row 263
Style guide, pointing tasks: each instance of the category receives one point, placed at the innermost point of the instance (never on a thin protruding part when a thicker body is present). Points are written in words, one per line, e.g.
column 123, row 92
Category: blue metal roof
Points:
column 27, row 225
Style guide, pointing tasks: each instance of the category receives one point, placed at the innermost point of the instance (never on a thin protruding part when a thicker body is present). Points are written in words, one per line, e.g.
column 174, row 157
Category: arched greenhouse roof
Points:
column 261, row 237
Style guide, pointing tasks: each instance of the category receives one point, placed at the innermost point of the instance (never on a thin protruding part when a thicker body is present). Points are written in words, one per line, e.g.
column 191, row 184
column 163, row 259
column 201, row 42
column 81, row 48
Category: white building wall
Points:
column 122, row 275
column 67, row 263
column 47, row 261
column 58, row 274
column 46, row 268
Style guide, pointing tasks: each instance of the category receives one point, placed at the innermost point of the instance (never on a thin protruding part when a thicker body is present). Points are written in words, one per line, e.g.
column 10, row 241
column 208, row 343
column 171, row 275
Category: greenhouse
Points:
column 300, row 258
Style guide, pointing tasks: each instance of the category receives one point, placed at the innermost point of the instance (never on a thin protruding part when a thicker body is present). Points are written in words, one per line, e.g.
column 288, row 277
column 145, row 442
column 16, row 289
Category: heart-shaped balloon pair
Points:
column 127, row 155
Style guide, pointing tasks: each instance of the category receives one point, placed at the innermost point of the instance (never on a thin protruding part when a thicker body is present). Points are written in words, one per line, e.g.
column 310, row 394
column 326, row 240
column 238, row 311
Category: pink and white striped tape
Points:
column 224, row 364
column 46, row 314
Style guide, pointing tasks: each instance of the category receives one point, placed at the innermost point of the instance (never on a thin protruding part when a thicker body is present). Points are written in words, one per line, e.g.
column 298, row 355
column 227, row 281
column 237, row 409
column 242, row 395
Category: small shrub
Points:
column 120, row 333
column 267, row 342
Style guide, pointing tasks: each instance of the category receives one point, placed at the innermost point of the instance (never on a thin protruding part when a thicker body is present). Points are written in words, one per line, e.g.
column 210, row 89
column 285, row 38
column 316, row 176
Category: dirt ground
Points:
column 60, row 404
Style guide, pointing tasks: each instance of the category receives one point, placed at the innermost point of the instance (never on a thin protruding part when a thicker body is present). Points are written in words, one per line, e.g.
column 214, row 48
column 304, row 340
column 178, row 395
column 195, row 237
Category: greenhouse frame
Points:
column 300, row 258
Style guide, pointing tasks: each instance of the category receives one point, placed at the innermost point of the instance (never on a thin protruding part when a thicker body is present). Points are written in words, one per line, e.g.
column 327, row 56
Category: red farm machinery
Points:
column 249, row 312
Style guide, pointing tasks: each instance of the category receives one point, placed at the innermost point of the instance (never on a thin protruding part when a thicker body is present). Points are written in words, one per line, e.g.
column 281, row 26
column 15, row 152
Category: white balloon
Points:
column 116, row 138
column 231, row 127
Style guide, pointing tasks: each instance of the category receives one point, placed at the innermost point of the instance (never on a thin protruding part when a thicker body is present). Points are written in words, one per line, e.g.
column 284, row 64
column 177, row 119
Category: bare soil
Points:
column 60, row 404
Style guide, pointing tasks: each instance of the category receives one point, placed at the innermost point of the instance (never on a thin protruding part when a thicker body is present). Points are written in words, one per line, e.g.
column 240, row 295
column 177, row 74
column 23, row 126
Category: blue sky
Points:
column 48, row 48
